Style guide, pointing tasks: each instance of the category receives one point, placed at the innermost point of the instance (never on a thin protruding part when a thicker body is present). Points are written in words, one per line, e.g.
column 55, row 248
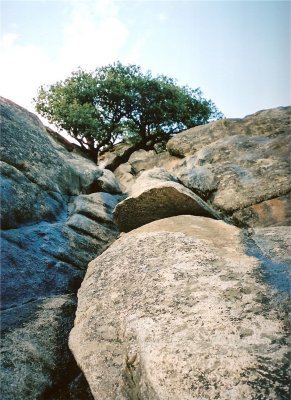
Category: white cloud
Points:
column 23, row 69
column 8, row 40
column 93, row 35
column 162, row 17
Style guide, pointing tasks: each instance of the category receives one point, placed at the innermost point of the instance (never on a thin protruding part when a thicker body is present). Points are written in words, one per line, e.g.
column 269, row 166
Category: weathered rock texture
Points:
column 53, row 225
column 177, row 310
column 250, row 159
column 241, row 167
column 185, row 307
column 274, row 243
column 156, row 194
column 141, row 161
column 33, row 345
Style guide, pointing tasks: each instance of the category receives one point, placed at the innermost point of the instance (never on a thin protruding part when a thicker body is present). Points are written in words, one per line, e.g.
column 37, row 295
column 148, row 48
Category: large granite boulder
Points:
column 177, row 309
column 32, row 345
column 248, row 164
column 156, row 194
column 266, row 123
column 141, row 161
column 27, row 146
column 199, row 179
column 53, row 224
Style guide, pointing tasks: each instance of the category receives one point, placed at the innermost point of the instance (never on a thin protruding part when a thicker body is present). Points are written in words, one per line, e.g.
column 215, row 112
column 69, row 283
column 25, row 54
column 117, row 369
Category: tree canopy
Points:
column 120, row 102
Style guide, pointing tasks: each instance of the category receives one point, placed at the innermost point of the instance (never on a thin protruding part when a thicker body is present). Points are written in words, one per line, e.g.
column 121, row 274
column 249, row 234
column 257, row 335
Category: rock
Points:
column 27, row 146
column 266, row 123
column 156, row 195
column 199, row 179
column 97, row 206
column 141, row 161
column 150, row 178
column 106, row 183
column 125, row 177
column 35, row 348
column 44, row 260
column 177, row 310
column 183, row 307
column 274, row 244
column 51, row 228
column 109, row 158
column 273, row 212
column 118, row 155
column 51, row 257
column 23, row 201
column 249, row 160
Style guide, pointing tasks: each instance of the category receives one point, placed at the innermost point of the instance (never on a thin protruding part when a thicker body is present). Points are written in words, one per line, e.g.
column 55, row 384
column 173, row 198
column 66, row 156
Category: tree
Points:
column 119, row 102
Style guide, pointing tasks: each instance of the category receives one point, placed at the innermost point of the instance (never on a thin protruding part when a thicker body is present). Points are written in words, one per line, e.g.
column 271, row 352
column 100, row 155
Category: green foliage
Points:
column 119, row 102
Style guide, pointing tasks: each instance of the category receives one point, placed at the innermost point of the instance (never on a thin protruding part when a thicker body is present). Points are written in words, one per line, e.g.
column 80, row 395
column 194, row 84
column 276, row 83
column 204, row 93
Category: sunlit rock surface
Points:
column 156, row 194
column 185, row 307
column 177, row 310
column 250, row 159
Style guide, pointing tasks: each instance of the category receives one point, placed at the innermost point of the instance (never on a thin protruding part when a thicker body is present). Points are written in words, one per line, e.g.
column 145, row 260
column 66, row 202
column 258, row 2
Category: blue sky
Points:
column 237, row 52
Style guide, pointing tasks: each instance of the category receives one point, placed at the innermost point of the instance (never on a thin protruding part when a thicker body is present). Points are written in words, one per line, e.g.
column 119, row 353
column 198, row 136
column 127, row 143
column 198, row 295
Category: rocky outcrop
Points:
column 185, row 305
column 239, row 166
column 264, row 124
column 141, row 161
column 188, row 307
column 53, row 224
column 249, row 158
column 156, row 194
column 31, row 347
column 177, row 310
column 118, row 155
column 274, row 244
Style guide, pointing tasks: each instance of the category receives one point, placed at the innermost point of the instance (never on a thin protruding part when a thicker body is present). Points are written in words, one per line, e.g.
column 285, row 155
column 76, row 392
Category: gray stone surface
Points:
column 111, row 159
column 23, row 201
column 156, row 195
column 109, row 183
column 150, row 178
column 31, row 351
column 248, row 158
column 275, row 242
column 141, row 161
column 273, row 212
column 125, row 176
column 274, row 245
column 180, row 308
column 26, row 145
column 51, row 228
column 199, row 179
column 266, row 123
column 177, row 310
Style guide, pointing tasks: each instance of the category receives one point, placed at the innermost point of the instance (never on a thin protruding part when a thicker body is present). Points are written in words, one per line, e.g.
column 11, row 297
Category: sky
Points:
column 237, row 52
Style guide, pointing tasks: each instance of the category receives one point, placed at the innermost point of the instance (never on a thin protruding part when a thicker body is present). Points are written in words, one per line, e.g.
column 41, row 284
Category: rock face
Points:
column 31, row 347
column 155, row 195
column 52, row 226
column 249, row 158
column 177, row 310
column 186, row 306
column 240, row 167
column 139, row 162
column 274, row 243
